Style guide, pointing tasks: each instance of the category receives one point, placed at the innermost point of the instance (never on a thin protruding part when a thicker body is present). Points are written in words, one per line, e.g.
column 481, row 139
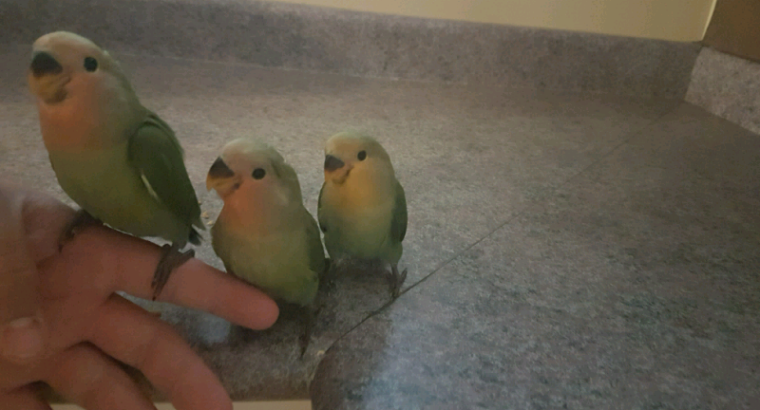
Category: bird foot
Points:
column 328, row 266
column 82, row 219
column 309, row 318
column 171, row 258
column 327, row 280
column 396, row 280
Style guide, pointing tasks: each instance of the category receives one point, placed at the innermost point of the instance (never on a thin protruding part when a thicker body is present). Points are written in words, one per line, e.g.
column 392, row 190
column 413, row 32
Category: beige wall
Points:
column 679, row 20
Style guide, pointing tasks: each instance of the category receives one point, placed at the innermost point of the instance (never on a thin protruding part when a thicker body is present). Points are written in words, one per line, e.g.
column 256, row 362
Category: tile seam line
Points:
column 520, row 212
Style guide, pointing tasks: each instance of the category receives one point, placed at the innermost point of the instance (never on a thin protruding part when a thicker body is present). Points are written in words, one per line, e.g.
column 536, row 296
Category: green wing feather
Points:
column 320, row 214
column 398, row 223
column 155, row 152
column 316, row 251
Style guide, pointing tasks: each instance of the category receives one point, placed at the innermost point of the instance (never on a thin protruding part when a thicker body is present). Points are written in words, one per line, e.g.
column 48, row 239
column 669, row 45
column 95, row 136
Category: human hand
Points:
column 62, row 322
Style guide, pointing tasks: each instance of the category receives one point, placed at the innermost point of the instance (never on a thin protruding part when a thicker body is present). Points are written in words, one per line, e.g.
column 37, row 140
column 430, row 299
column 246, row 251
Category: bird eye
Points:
column 90, row 64
column 259, row 173
column 362, row 155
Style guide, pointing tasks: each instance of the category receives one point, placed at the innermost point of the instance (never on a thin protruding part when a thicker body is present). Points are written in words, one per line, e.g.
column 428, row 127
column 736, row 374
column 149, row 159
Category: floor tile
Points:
column 635, row 287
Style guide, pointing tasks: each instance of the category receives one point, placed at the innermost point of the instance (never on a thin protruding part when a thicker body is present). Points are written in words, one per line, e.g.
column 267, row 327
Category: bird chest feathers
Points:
column 364, row 193
column 360, row 215
column 103, row 183
column 89, row 121
column 276, row 262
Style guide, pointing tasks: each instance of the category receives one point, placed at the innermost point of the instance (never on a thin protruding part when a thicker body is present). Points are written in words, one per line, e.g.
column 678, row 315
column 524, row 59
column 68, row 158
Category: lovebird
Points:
column 264, row 234
column 115, row 158
column 362, row 206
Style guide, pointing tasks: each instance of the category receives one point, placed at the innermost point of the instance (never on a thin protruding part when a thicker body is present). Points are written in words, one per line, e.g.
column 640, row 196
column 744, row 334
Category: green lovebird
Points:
column 115, row 158
column 264, row 234
column 362, row 206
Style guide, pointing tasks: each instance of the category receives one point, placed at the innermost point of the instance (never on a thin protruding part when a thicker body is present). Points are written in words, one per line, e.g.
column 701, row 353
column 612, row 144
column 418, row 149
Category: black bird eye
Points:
column 90, row 64
column 259, row 173
column 362, row 155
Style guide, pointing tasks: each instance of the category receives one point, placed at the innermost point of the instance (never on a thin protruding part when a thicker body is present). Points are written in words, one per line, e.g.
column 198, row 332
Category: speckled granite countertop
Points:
column 565, row 250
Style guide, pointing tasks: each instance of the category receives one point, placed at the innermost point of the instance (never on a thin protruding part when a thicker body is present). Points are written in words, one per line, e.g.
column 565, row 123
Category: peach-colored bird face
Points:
column 65, row 63
column 253, row 178
column 347, row 153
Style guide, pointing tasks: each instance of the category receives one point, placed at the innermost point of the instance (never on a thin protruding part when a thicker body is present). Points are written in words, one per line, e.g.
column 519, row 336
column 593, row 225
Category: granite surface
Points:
column 634, row 286
column 565, row 249
column 727, row 86
column 363, row 44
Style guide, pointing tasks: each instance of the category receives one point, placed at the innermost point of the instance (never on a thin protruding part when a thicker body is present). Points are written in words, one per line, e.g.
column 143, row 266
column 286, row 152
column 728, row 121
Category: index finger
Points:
column 195, row 284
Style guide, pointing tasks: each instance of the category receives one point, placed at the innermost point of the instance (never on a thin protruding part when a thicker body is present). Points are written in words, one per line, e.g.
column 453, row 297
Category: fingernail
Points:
column 22, row 339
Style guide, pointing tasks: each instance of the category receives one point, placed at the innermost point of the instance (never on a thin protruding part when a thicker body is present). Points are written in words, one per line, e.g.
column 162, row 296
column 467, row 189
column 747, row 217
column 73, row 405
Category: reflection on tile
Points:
column 634, row 287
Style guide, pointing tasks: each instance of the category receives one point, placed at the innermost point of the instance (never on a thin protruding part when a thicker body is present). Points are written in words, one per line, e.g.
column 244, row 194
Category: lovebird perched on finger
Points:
column 115, row 158
column 362, row 206
column 264, row 234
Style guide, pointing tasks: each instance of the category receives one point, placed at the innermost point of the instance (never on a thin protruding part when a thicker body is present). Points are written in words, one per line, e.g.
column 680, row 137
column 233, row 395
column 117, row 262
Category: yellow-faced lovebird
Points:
column 264, row 234
column 115, row 158
column 362, row 207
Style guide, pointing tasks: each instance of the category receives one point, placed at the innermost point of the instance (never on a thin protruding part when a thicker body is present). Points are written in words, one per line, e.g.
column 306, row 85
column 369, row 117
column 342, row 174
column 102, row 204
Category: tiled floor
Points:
column 575, row 251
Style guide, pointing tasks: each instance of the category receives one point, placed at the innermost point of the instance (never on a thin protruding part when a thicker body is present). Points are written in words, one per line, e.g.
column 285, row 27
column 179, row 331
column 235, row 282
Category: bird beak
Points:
column 336, row 169
column 43, row 64
column 333, row 163
column 47, row 78
column 221, row 178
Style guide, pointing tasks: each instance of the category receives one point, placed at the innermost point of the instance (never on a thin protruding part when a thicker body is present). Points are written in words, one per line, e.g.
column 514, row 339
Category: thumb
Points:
column 21, row 324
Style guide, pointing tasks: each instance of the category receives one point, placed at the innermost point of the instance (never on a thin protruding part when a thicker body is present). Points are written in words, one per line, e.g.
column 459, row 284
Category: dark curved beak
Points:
column 222, row 179
column 218, row 172
column 43, row 63
column 333, row 163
